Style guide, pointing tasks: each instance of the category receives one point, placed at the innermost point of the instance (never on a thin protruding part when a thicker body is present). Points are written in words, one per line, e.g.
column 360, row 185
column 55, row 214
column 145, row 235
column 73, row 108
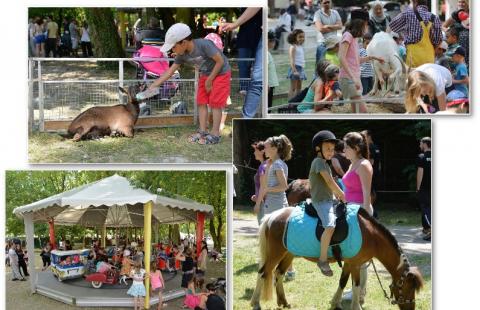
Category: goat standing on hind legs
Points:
column 117, row 120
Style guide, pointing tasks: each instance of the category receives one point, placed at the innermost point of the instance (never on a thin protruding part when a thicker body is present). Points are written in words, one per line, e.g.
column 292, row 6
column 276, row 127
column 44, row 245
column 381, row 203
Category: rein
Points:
column 398, row 284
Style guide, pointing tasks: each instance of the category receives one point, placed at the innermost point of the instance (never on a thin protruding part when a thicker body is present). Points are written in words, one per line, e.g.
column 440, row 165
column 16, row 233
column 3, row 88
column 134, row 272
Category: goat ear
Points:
column 123, row 90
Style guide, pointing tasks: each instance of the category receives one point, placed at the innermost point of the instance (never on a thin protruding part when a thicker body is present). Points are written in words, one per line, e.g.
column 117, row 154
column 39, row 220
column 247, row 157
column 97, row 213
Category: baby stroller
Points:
column 153, row 69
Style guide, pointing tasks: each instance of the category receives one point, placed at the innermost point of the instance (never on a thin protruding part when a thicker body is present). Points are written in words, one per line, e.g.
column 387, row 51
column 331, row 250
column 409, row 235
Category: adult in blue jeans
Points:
column 249, row 40
column 327, row 22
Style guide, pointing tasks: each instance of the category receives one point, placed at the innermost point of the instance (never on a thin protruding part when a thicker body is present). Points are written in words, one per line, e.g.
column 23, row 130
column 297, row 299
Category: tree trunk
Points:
column 103, row 33
column 176, row 234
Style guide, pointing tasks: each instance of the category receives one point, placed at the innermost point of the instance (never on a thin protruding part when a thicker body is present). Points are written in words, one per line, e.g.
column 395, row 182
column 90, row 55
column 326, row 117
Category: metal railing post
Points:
column 195, row 107
column 120, row 78
column 30, row 96
column 40, row 98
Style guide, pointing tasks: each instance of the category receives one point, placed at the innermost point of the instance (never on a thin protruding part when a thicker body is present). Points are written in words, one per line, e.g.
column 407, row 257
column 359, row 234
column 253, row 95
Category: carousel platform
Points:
column 79, row 292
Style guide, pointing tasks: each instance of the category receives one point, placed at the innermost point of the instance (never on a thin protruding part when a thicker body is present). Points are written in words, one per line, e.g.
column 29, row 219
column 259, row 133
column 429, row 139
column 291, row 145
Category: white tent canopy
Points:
column 112, row 202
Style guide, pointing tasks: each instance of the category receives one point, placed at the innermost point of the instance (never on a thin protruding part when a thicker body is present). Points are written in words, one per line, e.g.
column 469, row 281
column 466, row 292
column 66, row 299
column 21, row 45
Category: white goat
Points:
column 392, row 74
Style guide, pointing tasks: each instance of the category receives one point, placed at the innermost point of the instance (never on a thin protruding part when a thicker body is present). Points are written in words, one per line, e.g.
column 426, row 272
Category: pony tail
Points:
column 286, row 148
column 267, row 289
column 364, row 149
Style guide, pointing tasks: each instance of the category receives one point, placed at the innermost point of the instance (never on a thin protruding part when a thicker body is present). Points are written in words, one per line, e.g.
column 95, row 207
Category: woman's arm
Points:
column 337, row 191
column 342, row 56
column 261, row 190
column 291, row 54
column 337, row 167
column 370, row 58
column 318, row 90
column 448, row 23
column 365, row 172
column 282, row 183
column 247, row 14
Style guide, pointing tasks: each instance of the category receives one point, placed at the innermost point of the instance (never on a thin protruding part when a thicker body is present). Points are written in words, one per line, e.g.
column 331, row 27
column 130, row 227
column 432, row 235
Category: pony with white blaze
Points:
column 392, row 74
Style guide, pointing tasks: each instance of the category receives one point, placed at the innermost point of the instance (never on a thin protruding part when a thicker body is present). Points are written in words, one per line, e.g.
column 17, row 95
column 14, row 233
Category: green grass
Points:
column 153, row 145
column 311, row 290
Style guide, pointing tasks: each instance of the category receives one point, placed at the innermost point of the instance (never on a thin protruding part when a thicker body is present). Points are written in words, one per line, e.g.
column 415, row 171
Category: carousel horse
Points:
column 365, row 239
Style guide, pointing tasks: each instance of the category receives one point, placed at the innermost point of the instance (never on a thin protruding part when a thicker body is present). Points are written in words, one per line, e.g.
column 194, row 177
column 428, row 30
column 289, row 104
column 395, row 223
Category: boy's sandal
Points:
column 209, row 139
column 325, row 268
column 193, row 138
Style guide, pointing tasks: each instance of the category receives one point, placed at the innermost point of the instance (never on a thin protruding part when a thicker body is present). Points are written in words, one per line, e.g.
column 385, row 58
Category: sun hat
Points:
column 330, row 42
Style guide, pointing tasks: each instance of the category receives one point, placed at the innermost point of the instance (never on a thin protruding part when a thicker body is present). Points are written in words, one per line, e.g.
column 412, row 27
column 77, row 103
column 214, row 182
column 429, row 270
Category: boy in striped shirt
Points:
column 366, row 69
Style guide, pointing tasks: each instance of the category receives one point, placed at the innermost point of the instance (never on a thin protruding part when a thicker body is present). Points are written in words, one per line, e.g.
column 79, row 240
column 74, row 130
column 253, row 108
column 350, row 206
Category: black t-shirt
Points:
column 215, row 302
column 187, row 265
column 250, row 32
column 424, row 161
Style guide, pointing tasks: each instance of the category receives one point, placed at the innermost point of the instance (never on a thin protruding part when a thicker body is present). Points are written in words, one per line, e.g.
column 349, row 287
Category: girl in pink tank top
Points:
column 157, row 284
column 358, row 179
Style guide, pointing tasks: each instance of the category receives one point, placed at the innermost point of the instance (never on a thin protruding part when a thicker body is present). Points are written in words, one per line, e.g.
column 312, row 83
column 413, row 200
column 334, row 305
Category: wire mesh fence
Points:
column 60, row 89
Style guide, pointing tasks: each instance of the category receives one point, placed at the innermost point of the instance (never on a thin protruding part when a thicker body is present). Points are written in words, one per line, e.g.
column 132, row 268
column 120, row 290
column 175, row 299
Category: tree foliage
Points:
column 397, row 140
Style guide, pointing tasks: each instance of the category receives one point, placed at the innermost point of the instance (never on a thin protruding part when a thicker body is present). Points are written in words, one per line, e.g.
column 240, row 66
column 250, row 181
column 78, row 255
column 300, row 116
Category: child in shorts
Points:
column 322, row 188
column 214, row 82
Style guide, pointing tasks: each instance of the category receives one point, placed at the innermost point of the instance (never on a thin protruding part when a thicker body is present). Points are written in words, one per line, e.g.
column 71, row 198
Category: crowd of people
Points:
column 47, row 39
column 437, row 56
column 17, row 259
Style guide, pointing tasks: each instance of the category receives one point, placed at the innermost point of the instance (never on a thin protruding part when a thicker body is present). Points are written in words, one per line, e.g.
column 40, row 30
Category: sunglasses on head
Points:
column 327, row 2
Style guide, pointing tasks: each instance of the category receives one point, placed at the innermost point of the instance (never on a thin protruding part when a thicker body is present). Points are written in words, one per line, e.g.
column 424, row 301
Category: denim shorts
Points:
column 301, row 74
column 326, row 212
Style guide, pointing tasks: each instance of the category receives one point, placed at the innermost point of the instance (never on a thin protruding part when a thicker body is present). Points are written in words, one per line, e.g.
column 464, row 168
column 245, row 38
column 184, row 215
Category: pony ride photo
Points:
column 336, row 211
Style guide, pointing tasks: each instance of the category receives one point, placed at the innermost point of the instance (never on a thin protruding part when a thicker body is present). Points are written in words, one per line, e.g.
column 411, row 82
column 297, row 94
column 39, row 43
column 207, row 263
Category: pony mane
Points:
column 379, row 226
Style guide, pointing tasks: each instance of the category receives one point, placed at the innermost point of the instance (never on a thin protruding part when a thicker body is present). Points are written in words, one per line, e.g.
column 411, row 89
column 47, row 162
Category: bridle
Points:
column 397, row 284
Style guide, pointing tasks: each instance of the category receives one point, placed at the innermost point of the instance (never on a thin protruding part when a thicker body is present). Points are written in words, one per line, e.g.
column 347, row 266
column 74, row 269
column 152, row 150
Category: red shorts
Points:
column 218, row 96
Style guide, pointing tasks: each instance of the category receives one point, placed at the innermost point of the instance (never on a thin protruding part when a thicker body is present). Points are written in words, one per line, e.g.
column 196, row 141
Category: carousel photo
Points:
column 116, row 239
column 339, row 212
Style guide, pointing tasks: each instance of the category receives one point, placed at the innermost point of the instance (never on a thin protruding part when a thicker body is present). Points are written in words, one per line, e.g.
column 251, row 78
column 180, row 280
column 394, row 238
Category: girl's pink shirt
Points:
column 352, row 57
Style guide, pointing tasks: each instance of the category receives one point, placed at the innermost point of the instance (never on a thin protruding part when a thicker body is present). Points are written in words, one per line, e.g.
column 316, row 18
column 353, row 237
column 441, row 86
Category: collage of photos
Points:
column 244, row 204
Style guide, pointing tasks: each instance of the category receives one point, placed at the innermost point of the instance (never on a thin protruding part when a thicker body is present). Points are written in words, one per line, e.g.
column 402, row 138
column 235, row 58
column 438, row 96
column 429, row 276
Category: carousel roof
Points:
column 113, row 202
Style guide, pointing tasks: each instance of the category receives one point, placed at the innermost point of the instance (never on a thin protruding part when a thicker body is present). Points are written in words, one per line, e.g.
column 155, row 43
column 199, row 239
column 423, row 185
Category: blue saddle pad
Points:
column 300, row 238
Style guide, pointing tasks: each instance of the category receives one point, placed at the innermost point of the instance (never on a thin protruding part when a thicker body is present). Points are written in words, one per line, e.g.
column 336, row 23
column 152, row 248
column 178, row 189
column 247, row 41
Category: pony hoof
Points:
column 257, row 307
column 288, row 306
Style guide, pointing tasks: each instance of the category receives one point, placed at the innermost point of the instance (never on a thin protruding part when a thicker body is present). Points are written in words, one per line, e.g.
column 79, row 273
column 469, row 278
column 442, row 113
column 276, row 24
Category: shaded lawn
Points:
column 152, row 145
column 18, row 293
column 311, row 290
column 387, row 217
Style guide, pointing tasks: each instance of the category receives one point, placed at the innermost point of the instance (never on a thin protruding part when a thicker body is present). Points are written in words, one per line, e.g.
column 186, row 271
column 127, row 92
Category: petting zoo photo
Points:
column 332, row 214
column 376, row 57
column 141, row 85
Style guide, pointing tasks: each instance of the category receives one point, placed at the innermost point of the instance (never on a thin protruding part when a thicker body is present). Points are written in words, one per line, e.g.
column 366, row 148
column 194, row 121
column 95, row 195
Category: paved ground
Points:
column 409, row 238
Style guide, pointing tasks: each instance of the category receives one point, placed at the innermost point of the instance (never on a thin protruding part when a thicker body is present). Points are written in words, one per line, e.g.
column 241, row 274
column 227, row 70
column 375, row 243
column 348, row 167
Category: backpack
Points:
column 301, row 95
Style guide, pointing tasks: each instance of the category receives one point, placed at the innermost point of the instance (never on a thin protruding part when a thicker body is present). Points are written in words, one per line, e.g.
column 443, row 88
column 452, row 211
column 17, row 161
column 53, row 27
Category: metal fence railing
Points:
column 61, row 88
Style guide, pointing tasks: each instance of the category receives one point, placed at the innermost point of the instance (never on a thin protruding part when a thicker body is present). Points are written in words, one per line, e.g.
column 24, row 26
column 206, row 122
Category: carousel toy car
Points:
column 68, row 264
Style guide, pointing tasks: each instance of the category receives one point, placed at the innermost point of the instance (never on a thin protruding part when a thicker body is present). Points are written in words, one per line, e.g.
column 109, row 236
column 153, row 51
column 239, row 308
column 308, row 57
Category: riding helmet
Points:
column 323, row 136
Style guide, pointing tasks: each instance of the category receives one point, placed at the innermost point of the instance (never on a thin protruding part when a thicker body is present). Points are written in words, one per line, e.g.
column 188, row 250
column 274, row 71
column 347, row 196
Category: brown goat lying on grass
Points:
column 117, row 120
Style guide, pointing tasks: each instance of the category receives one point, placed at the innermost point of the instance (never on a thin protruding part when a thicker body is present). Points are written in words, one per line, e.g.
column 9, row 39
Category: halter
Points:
column 396, row 284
